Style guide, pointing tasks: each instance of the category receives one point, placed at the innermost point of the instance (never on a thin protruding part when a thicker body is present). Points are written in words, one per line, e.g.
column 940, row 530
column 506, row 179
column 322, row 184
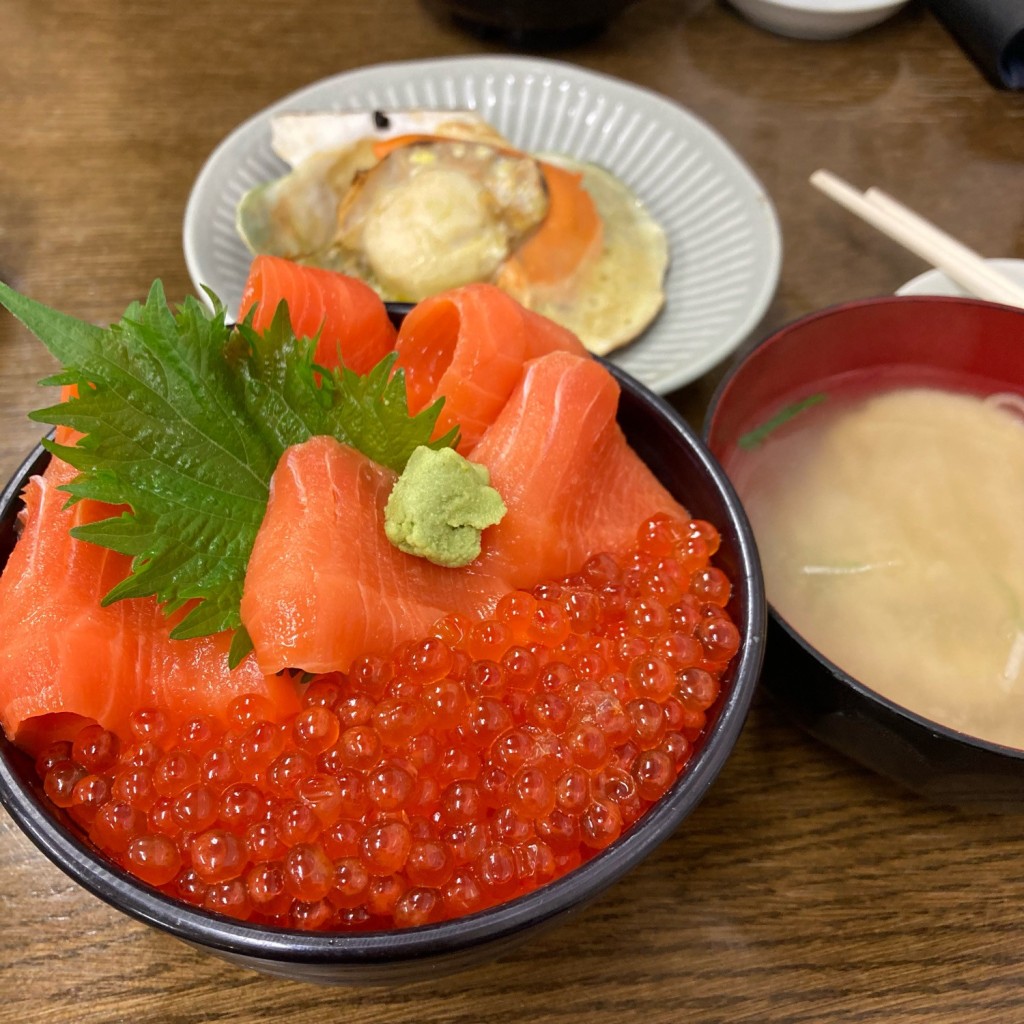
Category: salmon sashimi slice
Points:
column 468, row 345
column 349, row 314
column 572, row 484
column 64, row 658
column 324, row 585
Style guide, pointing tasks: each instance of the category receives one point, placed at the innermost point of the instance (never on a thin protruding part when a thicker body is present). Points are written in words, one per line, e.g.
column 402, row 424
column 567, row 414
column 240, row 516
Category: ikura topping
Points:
column 465, row 769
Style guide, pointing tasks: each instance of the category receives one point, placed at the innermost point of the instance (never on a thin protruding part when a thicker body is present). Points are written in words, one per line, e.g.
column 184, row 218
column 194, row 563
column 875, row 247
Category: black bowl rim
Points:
column 555, row 899
column 862, row 689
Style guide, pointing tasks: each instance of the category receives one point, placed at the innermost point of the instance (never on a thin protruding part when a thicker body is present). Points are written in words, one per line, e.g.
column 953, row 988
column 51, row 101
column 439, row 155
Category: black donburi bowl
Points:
column 680, row 459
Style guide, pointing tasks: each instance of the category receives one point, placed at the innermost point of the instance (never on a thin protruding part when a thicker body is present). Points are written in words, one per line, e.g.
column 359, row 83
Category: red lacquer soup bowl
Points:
column 875, row 344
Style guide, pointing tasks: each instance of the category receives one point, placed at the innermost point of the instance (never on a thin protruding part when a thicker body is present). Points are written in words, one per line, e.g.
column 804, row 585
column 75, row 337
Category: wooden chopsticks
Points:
column 924, row 239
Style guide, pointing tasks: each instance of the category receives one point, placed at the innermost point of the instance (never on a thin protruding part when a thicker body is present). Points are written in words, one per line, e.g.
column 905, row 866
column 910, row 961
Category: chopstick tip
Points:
column 824, row 179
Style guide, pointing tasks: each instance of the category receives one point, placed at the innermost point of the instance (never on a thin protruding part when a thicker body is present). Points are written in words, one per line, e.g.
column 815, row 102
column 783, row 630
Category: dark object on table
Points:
column 992, row 32
column 965, row 337
column 537, row 24
column 679, row 458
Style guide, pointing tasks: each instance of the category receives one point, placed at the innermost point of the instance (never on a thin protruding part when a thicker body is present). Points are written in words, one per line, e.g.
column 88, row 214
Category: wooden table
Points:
column 804, row 888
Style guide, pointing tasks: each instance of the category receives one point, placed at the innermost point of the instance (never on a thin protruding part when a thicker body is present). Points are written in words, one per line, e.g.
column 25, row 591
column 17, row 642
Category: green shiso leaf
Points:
column 184, row 420
column 287, row 392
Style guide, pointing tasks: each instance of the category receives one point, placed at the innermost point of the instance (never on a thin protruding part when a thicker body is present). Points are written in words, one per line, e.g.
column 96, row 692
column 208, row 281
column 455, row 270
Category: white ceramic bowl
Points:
column 817, row 19
column 934, row 282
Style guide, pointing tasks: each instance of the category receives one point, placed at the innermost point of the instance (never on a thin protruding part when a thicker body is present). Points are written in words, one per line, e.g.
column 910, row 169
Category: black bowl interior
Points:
column 675, row 453
column 928, row 338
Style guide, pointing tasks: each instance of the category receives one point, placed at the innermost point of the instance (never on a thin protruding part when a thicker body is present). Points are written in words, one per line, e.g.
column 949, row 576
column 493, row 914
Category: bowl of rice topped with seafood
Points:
column 366, row 645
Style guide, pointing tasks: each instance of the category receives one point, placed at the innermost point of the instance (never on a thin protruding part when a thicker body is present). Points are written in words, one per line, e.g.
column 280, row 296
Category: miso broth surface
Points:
column 891, row 530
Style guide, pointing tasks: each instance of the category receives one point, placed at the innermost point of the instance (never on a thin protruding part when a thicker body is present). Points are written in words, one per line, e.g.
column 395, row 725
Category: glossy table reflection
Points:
column 803, row 889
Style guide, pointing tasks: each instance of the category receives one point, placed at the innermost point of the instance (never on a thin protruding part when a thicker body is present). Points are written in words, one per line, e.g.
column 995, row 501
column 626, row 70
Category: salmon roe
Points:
column 467, row 768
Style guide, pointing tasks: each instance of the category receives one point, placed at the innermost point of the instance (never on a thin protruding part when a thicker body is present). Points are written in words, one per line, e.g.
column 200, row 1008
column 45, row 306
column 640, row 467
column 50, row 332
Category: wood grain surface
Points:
column 804, row 888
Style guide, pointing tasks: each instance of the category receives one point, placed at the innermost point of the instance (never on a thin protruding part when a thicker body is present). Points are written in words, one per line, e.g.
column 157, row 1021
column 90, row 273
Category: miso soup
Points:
column 891, row 531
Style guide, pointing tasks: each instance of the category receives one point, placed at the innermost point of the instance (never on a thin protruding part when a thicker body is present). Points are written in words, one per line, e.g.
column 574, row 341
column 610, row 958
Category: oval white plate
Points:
column 935, row 282
column 724, row 239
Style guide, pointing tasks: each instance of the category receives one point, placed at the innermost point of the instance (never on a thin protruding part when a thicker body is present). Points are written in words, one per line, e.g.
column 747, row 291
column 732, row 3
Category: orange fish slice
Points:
column 468, row 345
column 325, row 585
column 349, row 315
column 571, row 482
column 64, row 658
